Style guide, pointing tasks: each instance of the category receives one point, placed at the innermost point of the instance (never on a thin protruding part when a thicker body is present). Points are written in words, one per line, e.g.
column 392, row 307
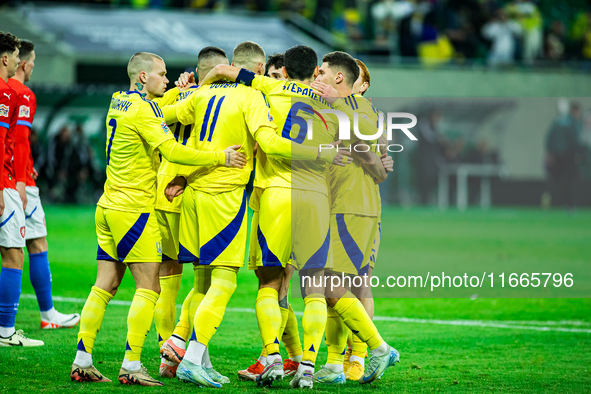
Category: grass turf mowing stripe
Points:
column 509, row 324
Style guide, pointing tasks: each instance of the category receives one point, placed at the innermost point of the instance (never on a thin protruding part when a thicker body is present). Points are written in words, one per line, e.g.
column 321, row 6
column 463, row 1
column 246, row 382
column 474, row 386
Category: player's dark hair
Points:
column 277, row 60
column 300, row 62
column 247, row 52
column 27, row 47
column 344, row 63
column 8, row 43
column 209, row 53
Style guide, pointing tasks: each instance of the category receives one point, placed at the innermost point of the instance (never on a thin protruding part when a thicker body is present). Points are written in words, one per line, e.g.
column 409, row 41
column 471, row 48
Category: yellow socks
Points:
column 269, row 318
column 92, row 317
column 291, row 336
column 211, row 311
column 139, row 320
column 314, row 323
column 165, row 310
column 356, row 318
column 359, row 348
column 336, row 337
column 183, row 326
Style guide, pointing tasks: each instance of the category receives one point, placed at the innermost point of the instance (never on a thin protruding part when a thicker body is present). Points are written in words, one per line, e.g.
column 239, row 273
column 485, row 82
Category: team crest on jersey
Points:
column 158, row 247
column 23, row 229
column 24, row 111
column 164, row 127
column 4, row 110
column 270, row 117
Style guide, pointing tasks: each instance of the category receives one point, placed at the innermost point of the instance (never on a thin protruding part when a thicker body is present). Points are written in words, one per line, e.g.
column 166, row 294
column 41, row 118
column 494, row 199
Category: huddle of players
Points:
column 216, row 127
column 22, row 220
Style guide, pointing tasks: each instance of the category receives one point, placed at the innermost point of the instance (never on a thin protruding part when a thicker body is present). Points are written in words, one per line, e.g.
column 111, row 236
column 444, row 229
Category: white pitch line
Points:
column 509, row 324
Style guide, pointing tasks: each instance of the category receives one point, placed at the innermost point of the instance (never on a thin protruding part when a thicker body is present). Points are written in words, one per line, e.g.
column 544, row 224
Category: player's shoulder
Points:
column 184, row 94
column 7, row 91
column 137, row 103
column 17, row 85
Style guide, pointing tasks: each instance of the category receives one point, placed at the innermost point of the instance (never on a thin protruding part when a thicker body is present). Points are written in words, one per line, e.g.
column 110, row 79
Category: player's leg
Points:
column 39, row 270
column 311, row 252
column 108, row 278
column 222, row 229
column 109, row 274
column 12, row 241
column 290, row 335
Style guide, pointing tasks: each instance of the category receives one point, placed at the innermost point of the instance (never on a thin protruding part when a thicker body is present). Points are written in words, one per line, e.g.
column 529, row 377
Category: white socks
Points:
column 337, row 368
column 83, row 359
column 206, row 362
column 296, row 359
column 195, row 352
column 358, row 359
column 49, row 315
column 379, row 351
column 178, row 341
column 6, row 332
column 131, row 365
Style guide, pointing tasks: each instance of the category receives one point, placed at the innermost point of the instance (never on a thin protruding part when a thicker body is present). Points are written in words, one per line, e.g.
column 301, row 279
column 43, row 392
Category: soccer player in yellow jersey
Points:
column 127, row 231
column 294, row 208
column 354, row 219
column 289, row 324
column 168, row 216
column 213, row 217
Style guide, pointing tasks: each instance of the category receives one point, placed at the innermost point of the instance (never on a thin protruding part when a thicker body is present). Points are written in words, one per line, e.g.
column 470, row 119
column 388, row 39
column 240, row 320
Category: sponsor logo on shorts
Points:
column 4, row 110
column 164, row 127
column 24, row 111
column 23, row 229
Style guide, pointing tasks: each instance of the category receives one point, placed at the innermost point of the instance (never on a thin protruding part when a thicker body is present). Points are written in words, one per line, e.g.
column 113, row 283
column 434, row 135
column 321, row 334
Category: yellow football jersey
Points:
column 293, row 105
column 167, row 170
column 135, row 128
column 223, row 114
column 352, row 189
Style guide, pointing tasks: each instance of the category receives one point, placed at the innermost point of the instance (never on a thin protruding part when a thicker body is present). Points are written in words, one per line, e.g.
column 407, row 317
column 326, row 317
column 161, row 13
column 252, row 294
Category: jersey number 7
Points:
column 113, row 124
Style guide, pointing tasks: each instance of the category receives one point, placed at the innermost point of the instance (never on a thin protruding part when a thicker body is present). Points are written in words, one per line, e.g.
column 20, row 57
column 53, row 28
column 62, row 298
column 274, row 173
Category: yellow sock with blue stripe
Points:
column 165, row 310
column 354, row 315
column 139, row 320
column 269, row 318
column 210, row 312
column 183, row 326
column 314, row 323
column 91, row 319
column 336, row 337
column 291, row 337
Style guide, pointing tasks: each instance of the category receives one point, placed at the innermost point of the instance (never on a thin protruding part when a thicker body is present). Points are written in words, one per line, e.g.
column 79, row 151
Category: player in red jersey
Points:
column 12, row 215
column 36, row 231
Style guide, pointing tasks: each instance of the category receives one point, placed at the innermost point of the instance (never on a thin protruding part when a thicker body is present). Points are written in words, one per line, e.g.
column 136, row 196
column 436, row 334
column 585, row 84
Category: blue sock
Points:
column 10, row 292
column 41, row 279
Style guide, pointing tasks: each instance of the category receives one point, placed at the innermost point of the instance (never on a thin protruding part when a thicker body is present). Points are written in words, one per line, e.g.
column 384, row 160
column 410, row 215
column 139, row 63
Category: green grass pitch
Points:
column 436, row 355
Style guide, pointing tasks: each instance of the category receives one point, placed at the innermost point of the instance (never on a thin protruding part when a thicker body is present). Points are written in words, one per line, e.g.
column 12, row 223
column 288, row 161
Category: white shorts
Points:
column 34, row 214
column 12, row 221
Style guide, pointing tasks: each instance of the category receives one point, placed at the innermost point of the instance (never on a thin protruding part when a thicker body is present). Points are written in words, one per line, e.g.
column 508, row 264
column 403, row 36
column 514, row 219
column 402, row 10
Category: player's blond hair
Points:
column 248, row 54
column 141, row 61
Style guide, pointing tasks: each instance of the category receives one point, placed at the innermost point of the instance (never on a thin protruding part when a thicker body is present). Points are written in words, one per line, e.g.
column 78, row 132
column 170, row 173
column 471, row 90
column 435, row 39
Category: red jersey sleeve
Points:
column 6, row 104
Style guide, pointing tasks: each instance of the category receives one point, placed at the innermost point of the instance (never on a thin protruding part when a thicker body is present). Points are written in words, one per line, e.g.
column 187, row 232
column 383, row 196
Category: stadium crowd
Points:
column 498, row 32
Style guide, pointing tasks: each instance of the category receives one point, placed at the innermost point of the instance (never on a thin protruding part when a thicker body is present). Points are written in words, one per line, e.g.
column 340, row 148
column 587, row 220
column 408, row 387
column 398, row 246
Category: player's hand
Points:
column 35, row 174
column 175, row 188
column 185, row 80
column 329, row 93
column 335, row 156
column 387, row 162
column 20, row 187
column 1, row 202
column 234, row 158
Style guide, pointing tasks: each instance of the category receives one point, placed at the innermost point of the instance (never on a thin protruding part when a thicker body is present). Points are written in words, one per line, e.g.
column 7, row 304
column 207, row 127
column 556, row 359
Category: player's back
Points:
column 132, row 136
column 352, row 189
column 26, row 107
column 294, row 107
column 224, row 114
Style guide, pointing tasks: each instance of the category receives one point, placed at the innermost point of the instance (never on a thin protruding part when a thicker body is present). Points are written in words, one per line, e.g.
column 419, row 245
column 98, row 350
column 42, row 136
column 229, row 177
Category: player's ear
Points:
column 284, row 72
column 142, row 77
column 316, row 72
column 339, row 77
column 260, row 70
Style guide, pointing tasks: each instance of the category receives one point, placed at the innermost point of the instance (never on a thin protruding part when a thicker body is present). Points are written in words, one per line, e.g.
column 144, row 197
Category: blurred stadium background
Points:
column 518, row 57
